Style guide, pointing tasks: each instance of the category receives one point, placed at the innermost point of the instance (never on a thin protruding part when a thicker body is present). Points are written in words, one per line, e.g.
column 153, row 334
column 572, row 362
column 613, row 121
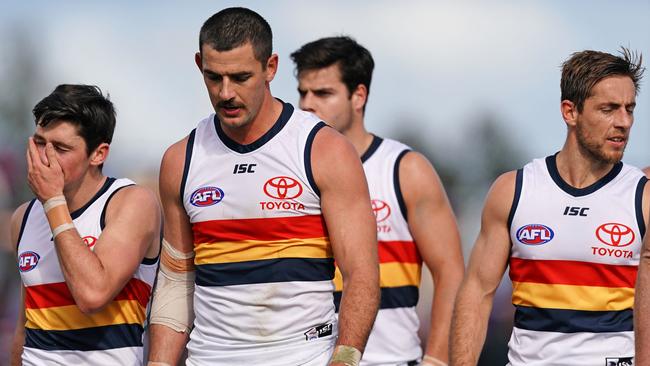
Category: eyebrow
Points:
column 231, row 74
column 40, row 138
column 314, row 90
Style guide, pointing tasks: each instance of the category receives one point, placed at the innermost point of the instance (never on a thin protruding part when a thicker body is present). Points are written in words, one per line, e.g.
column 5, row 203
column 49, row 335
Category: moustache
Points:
column 229, row 104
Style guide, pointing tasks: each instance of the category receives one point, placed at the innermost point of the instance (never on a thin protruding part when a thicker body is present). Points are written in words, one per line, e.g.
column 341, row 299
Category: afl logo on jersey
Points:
column 282, row 188
column 28, row 261
column 615, row 235
column 206, row 196
column 534, row 234
column 380, row 209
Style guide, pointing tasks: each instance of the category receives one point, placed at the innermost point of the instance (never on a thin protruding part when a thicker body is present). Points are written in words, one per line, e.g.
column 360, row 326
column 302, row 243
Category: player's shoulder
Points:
column 328, row 139
column 505, row 183
column 17, row 219
column 130, row 200
column 646, row 171
column 175, row 153
column 19, row 212
column 502, row 192
column 414, row 161
column 135, row 193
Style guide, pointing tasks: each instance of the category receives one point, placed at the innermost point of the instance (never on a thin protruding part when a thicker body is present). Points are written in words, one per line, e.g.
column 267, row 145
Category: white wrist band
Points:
column 431, row 361
column 54, row 202
column 61, row 228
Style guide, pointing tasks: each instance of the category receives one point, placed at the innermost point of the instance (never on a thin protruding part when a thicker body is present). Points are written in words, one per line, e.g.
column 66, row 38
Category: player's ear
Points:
column 359, row 97
column 271, row 67
column 569, row 112
column 199, row 61
column 99, row 155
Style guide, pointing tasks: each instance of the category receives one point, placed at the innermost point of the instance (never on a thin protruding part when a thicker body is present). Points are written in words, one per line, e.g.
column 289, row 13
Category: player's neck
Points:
column 359, row 137
column 266, row 117
column 578, row 169
column 78, row 194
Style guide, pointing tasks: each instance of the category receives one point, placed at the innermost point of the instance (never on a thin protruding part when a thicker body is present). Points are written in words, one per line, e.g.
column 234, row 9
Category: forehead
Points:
column 238, row 59
column 58, row 131
column 326, row 77
column 617, row 88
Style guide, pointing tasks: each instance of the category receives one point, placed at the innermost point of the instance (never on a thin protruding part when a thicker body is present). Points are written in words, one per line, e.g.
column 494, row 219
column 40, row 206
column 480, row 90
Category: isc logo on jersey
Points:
column 534, row 234
column 284, row 190
column 206, row 196
column 28, row 261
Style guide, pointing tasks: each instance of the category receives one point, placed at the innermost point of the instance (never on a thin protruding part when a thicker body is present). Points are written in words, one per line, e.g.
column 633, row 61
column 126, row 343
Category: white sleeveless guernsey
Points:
column 264, row 263
column 56, row 331
column 573, row 266
column 393, row 339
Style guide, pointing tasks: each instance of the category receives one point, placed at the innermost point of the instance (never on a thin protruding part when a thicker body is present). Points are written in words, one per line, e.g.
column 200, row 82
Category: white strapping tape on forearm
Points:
column 432, row 361
column 347, row 355
column 173, row 298
column 175, row 253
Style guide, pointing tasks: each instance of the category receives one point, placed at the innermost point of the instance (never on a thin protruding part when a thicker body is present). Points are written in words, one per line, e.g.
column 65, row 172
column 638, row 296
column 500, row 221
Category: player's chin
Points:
column 613, row 157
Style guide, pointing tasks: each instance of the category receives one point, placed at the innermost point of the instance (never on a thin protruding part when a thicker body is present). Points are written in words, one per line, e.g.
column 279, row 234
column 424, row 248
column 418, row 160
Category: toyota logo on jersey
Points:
column 381, row 210
column 89, row 241
column 615, row 234
column 282, row 188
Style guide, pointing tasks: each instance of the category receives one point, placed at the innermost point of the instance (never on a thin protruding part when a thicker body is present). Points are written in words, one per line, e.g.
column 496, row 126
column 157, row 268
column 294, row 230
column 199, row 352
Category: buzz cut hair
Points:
column 234, row 27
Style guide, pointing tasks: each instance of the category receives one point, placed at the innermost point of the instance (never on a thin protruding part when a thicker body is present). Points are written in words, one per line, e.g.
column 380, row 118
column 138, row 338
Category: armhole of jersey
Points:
column 638, row 205
column 102, row 223
column 308, row 145
column 102, row 218
column 186, row 169
column 398, row 190
column 24, row 222
column 515, row 201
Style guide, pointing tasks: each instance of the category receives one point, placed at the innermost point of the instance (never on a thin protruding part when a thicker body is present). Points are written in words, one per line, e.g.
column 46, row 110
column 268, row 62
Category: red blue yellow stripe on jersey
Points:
column 572, row 296
column 400, row 268
column 262, row 250
column 55, row 322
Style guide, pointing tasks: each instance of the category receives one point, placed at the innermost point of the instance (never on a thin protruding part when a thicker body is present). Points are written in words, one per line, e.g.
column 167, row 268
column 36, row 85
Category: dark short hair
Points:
column 586, row 68
column 355, row 61
column 83, row 106
column 234, row 27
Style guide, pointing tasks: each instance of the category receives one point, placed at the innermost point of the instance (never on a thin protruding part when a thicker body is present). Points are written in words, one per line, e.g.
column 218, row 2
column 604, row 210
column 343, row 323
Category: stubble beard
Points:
column 595, row 150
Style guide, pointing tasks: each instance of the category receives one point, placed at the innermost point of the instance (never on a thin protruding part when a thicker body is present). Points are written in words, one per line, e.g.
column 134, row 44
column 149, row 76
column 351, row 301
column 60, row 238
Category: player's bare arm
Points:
column 346, row 207
column 19, row 334
column 433, row 226
column 487, row 264
column 642, row 293
column 95, row 276
column 167, row 343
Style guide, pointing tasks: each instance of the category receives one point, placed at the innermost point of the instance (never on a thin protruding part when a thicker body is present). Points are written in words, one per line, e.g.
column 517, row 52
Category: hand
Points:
column 45, row 177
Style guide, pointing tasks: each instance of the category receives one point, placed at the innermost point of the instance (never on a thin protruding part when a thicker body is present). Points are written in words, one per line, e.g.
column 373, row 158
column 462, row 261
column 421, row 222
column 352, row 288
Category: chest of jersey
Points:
column 271, row 181
column 601, row 227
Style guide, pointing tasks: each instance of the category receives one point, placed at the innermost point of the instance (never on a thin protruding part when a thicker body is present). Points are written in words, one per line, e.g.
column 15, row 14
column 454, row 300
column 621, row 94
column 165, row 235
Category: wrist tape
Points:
column 431, row 361
column 347, row 355
column 58, row 216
